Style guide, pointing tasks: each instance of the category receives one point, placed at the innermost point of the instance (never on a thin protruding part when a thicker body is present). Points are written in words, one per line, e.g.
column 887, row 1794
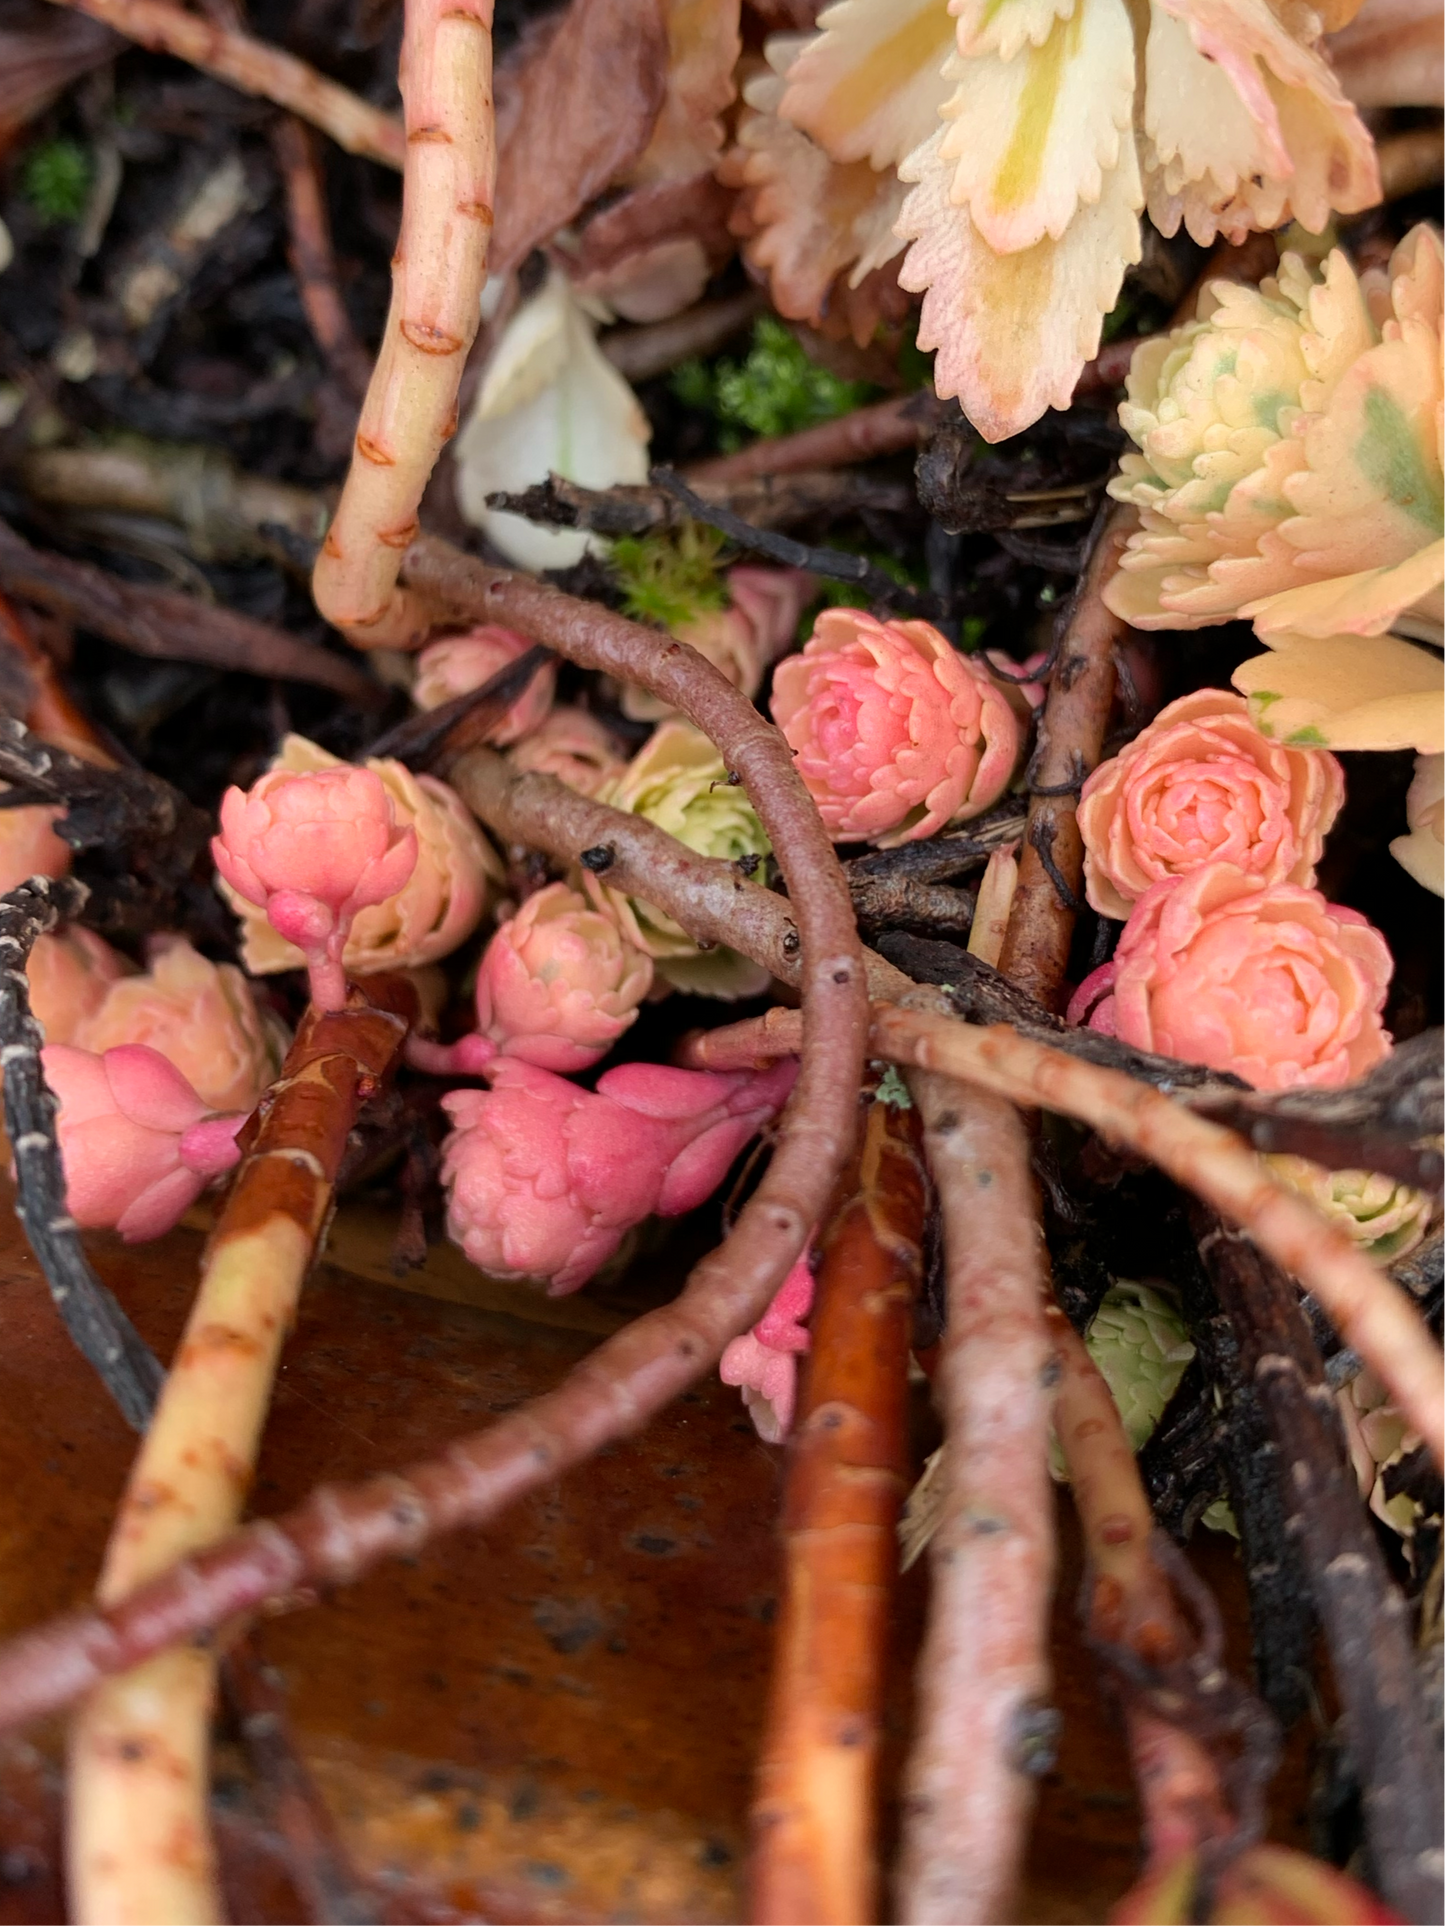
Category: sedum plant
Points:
column 1012, row 146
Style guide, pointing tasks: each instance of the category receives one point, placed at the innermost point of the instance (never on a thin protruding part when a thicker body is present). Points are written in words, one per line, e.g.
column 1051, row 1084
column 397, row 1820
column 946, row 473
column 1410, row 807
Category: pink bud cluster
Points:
column 1204, row 833
column 311, row 850
column 546, row 1178
column 137, row 1144
column 558, row 984
column 895, row 732
column 763, row 1363
column 1267, row 980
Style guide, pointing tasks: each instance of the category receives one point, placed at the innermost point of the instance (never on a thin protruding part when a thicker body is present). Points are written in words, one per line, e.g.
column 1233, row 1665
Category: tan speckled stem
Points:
column 139, row 1844
column 438, row 273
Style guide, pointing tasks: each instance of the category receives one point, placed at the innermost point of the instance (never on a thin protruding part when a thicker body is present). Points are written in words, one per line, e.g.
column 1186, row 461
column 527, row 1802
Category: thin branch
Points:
column 885, row 428
column 829, row 562
column 889, row 903
column 100, row 1329
column 766, row 503
column 312, row 258
column 985, row 1728
column 172, row 627
column 1364, row 1616
column 255, row 67
column 643, row 353
column 814, row 1815
column 941, row 858
column 139, row 1843
column 1071, row 739
column 434, row 735
column 713, row 900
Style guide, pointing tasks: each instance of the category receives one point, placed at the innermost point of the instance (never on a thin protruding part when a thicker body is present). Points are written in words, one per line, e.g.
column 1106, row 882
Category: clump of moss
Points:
column 56, row 180
column 670, row 579
column 775, row 391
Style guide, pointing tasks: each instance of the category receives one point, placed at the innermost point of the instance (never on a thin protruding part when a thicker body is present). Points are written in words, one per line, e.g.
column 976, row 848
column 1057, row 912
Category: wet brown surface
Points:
column 551, row 1720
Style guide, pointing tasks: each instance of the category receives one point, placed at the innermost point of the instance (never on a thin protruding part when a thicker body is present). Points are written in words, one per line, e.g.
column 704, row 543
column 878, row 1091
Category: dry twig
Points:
column 814, row 1818
column 1364, row 1616
column 310, row 253
column 102, row 1333
column 984, row 1726
column 255, row 68
column 171, row 626
column 1071, row 739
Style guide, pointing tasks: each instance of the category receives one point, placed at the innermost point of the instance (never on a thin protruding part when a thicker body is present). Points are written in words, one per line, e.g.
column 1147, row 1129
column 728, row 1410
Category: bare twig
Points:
column 1071, row 739
column 316, row 1859
column 940, row 858
column 885, row 428
column 894, row 902
column 172, row 626
column 310, row 253
column 438, row 273
column 102, row 1332
column 139, row 1843
column 1363, row 1614
column 984, row 1725
column 221, row 508
column 1180, row 1704
column 255, row 68
column 765, row 503
column 832, row 563
column 814, row 1818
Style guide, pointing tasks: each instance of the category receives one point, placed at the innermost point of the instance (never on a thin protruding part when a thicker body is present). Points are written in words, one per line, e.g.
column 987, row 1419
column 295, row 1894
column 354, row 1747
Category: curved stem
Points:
column 438, row 274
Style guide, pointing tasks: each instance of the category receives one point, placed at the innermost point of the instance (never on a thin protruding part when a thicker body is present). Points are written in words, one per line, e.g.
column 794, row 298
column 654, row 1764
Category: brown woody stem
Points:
column 1364, row 1616
column 984, row 1726
column 814, row 1817
column 255, row 68
column 1071, row 739
column 313, row 261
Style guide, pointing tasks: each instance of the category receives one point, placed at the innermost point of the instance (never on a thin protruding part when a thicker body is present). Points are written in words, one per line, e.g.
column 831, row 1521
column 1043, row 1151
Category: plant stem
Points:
column 984, row 1726
column 139, row 1838
column 254, row 67
column 1362, row 1611
column 1071, row 739
column 438, row 273
column 814, row 1816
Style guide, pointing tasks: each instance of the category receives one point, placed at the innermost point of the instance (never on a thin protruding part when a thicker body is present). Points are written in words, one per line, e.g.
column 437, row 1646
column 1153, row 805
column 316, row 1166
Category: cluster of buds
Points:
column 896, row 733
column 545, row 1178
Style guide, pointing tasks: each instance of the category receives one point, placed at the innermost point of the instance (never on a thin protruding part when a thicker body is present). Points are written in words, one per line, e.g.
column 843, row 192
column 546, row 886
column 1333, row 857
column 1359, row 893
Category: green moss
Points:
column 55, row 179
column 670, row 579
column 775, row 391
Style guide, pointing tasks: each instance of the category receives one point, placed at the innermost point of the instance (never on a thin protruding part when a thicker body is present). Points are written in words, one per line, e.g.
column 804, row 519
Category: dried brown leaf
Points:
column 43, row 49
column 576, row 106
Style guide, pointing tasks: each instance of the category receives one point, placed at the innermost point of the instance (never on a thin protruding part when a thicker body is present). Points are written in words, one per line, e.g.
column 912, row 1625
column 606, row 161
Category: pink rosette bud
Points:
column 29, row 845
column 137, row 1143
column 1202, row 785
column 764, row 1362
column 575, row 748
column 559, row 983
column 439, row 904
column 311, row 850
column 544, row 1178
column 70, row 974
column 202, row 1018
column 1267, row 980
column 895, row 733
column 457, row 664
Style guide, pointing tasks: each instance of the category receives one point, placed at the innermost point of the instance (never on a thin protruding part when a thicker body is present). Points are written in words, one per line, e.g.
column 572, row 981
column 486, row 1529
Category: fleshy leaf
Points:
column 1013, row 330
column 869, row 86
column 1032, row 138
column 1347, row 692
